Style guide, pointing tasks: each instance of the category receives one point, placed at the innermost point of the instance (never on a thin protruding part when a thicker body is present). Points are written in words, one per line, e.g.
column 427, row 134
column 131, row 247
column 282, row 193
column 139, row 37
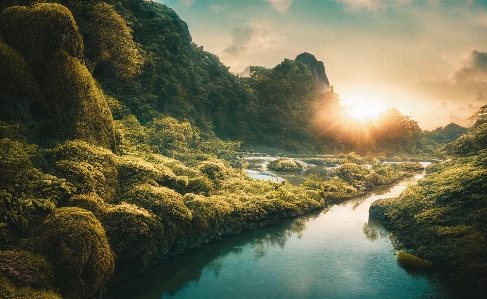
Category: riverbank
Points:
column 304, row 257
column 442, row 220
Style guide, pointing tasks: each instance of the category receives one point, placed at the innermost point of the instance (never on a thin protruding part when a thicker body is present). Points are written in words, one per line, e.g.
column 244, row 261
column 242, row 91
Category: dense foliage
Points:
column 443, row 219
column 111, row 144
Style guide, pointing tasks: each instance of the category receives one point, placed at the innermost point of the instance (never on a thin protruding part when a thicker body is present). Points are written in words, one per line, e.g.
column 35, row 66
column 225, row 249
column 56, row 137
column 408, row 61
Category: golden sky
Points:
column 428, row 58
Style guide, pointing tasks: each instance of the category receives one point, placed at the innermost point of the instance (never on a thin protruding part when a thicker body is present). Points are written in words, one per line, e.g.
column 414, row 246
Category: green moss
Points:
column 85, row 178
column 73, row 106
column 75, row 243
column 37, row 31
column 135, row 235
column 90, row 202
column 76, row 106
column 88, row 167
column 284, row 164
column 408, row 260
column 18, row 89
column 113, row 51
column 27, row 194
column 135, row 170
column 25, row 268
column 9, row 290
column 162, row 201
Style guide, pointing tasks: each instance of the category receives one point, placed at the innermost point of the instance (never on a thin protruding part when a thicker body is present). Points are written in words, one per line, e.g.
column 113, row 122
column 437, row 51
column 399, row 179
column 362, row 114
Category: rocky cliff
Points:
column 317, row 71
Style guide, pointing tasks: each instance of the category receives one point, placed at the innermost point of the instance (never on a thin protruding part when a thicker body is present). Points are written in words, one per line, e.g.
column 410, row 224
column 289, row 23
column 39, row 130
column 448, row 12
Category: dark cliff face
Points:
column 317, row 71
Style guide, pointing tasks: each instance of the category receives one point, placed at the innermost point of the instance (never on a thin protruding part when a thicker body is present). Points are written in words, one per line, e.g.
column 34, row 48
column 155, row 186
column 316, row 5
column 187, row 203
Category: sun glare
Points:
column 362, row 112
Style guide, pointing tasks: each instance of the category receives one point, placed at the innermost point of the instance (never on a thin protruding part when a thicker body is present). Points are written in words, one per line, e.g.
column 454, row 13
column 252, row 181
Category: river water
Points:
column 336, row 253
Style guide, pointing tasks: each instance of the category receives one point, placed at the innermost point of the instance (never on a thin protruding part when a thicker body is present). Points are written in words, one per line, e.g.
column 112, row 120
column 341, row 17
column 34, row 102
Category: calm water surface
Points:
column 338, row 253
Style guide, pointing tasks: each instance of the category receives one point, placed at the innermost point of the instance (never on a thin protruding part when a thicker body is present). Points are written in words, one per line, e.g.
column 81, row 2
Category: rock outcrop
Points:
column 317, row 71
column 70, row 105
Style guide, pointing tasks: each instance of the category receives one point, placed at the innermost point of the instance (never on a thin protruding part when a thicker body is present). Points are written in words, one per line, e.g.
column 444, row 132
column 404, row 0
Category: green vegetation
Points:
column 351, row 180
column 119, row 142
column 443, row 217
column 74, row 242
column 408, row 260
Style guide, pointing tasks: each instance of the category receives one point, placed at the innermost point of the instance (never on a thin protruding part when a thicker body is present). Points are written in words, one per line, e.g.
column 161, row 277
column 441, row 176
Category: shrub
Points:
column 285, row 164
column 408, row 260
column 75, row 243
column 135, row 171
column 162, row 201
column 26, row 194
column 88, row 167
column 135, row 235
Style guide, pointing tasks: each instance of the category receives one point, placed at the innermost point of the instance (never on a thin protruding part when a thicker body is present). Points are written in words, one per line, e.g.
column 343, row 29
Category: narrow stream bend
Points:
column 339, row 253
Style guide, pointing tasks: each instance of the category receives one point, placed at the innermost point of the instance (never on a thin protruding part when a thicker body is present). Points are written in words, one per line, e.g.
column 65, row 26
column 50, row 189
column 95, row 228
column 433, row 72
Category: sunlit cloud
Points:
column 475, row 68
column 248, row 41
column 280, row 5
column 241, row 39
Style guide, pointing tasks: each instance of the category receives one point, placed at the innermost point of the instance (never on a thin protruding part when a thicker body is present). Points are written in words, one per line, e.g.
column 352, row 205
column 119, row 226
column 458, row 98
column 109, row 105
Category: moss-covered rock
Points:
column 75, row 243
column 18, row 89
column 284, row 164
column 90, row 202
column 72, row 106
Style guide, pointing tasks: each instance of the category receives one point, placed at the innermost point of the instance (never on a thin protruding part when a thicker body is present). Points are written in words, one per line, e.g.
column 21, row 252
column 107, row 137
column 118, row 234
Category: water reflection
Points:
column 373, row 229
column 338, row 253
column 167, row 279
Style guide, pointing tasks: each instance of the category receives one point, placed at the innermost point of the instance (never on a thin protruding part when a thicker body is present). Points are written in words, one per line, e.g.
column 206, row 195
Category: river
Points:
column 335, row 253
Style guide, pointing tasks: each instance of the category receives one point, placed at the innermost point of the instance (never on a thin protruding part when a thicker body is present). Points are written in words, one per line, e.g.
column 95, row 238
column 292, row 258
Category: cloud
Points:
column 280, row 5
column 187, row 3
column 241, row 37
column 247, row 39
column 474, row 69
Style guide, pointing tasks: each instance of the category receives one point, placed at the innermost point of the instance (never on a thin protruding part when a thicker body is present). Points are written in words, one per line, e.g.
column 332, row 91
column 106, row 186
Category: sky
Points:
column 428, row 58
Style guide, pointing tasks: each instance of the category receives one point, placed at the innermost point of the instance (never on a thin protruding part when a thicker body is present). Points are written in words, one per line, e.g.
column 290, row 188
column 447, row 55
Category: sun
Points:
column 362, row 112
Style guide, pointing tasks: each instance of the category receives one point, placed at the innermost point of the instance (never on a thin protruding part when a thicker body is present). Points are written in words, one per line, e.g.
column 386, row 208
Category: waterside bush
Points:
column 75, row 243
column 443, row 219
column 408, row 260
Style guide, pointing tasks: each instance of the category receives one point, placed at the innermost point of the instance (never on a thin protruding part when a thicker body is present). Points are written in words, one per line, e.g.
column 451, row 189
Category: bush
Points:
column 135, row 235
column 285, row 164
column 135, row 171
column 408, row 260
column 162, row 201
column 26, row 194
column 75, row 243
column 88, row 167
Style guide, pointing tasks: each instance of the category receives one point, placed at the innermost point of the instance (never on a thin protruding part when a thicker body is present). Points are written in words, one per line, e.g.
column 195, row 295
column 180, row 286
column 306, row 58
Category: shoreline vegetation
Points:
column 120, row 141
